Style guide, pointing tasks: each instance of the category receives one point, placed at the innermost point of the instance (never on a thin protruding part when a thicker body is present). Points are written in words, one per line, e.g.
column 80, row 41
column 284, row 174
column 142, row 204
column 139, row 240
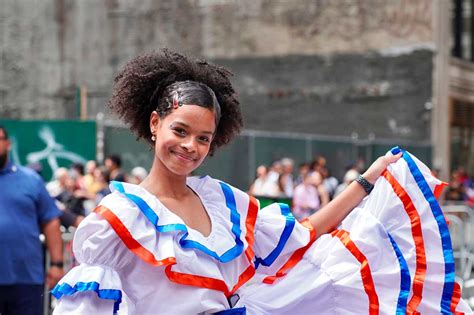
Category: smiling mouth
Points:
column 184, row 157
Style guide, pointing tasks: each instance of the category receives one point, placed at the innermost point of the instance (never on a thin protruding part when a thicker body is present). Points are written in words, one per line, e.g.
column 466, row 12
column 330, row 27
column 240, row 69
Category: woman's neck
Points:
column 163, row 183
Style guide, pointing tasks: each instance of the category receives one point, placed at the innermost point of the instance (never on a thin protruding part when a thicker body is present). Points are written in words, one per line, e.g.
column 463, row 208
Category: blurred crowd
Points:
column 460, row 187
column 312, row 187
column 78, row 189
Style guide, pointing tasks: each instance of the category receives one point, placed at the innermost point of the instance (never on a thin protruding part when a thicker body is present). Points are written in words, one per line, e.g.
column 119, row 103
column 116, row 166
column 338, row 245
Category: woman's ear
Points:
column 154, row 122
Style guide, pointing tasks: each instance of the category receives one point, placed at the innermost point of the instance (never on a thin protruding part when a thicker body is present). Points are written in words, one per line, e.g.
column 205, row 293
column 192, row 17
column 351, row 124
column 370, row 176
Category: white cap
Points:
column 350, row 176
column 139, row 172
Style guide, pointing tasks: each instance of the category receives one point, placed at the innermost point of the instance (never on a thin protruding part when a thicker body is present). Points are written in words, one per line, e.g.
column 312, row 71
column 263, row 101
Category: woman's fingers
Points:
column 393, row 158
column 374, row 171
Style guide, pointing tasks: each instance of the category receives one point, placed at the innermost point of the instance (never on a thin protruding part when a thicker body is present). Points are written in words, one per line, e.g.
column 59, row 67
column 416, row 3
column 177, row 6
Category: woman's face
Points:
column 183, row 138
column 261, row 171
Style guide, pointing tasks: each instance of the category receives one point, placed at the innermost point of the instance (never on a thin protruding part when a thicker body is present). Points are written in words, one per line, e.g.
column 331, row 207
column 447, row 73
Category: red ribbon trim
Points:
column 439, row 189
column 365, row 271
column 196, row 281
column 128, row 239
column 416, row 231
column 217, row 284
column 456, row 298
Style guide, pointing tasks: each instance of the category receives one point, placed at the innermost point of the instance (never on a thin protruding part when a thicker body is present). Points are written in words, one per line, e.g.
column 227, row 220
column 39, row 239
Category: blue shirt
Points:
column 24, row 206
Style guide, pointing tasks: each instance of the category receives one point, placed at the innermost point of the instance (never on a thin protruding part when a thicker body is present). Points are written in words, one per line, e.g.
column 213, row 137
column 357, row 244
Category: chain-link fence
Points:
column 236, row 163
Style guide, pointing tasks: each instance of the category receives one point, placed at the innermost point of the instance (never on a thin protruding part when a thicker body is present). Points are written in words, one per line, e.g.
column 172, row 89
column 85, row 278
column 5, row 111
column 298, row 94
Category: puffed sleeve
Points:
column 280, row 241
column 95, row 286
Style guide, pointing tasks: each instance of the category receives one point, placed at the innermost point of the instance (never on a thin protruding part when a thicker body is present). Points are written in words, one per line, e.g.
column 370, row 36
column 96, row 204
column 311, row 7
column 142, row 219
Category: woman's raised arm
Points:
column 330, row 216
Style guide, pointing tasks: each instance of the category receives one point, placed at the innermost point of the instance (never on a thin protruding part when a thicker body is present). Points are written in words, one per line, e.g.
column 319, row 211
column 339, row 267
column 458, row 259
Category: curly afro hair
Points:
column 146, row 83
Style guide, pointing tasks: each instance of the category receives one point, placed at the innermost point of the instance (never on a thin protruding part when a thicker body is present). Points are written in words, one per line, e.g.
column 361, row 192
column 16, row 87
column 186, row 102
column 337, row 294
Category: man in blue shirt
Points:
column 26, row 210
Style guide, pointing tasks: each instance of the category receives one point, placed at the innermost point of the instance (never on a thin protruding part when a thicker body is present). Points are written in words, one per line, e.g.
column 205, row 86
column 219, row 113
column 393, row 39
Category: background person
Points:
column 26, row 210
column 113, row 163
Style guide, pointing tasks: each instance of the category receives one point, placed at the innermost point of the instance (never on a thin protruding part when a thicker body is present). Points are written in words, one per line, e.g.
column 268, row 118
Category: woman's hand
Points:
column 333, row 213
column 374, row 171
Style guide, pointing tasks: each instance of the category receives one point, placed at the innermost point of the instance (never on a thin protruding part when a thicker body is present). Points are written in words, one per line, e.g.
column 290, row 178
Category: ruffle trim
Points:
column 63, row 289
column 95, row 278
column 449, row 277
column 354, row 239
column 132, row 244
column 417, row 234
column 182, row 278
column 201, row 281
column 289, row 226
column 450, row 293
column 184, row 242
column 295, row 257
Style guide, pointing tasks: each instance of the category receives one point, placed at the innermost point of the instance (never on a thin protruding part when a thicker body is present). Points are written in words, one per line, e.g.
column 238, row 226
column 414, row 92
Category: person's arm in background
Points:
column 48, row 215
column 330, row 216
column 54, row 243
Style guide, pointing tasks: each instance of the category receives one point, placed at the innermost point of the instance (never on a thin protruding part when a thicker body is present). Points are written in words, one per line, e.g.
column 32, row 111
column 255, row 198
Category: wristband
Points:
column 365, row 184
column 58, row 264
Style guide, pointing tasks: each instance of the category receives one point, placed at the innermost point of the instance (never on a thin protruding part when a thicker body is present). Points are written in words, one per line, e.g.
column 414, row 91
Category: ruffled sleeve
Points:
column 280, row 241
column 95, row 285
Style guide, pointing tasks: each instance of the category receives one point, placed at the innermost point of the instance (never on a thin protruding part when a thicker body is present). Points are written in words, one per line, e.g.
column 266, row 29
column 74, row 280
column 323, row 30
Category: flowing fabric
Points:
column 391, row 255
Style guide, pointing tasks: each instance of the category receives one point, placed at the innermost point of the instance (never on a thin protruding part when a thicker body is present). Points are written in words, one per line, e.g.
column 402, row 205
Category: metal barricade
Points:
column 460, row 217
column 69, row 263
column 461, row 225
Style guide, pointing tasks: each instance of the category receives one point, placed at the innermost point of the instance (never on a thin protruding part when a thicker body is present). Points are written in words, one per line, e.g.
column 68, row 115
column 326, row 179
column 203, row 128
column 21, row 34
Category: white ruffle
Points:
column 171, row 229
column 100, row 239
column 93, row 281
column 274, row 238
column 96, row 243
column 328, row 280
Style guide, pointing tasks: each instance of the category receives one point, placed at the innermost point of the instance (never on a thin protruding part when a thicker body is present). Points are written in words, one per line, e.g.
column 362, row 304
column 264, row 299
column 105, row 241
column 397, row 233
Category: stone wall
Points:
column 366, row 96
column 290, row 57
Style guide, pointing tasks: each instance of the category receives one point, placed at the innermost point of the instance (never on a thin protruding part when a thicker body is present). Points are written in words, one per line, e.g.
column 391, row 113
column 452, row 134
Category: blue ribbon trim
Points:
column 443, row 230
column 183, row 241
column 107, row 294
column 233, row 311
column 285, row 235
column 148, row 212
column 405, row 281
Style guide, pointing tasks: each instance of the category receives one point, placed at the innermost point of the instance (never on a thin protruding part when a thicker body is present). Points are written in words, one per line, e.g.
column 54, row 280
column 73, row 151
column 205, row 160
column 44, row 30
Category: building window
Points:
column 463, row 29
column 462, row 135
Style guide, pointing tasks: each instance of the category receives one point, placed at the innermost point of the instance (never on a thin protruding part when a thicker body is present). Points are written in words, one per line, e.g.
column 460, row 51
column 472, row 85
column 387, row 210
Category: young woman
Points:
column 185, row 245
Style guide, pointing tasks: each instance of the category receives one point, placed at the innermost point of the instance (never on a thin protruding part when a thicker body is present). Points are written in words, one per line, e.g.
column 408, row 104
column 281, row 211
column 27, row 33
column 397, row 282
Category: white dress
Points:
column 391, row 255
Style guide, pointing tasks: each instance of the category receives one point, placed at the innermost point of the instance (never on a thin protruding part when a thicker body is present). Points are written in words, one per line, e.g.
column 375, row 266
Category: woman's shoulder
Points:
column 97, row 243
column 209, row 183
column 132, row 219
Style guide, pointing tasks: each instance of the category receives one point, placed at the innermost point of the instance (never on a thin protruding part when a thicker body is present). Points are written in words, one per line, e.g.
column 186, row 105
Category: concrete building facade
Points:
column 346, row 68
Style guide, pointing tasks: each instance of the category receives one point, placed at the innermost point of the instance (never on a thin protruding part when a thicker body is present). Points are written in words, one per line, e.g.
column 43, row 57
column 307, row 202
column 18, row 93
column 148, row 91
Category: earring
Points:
column 153, row 138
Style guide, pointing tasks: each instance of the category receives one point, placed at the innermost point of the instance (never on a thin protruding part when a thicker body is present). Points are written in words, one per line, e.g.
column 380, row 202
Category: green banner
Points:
column 52, row 144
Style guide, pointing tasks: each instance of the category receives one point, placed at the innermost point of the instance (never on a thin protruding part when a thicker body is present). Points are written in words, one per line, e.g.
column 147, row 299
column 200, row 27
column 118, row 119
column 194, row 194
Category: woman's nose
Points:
column 189, row 145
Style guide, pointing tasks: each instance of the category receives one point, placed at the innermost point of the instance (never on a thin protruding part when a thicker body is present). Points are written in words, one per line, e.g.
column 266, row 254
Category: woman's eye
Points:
column 204, row 139
column 179, row 131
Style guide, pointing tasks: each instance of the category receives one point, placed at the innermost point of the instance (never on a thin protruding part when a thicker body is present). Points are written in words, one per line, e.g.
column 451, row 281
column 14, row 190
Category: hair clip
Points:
column 176, row 102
